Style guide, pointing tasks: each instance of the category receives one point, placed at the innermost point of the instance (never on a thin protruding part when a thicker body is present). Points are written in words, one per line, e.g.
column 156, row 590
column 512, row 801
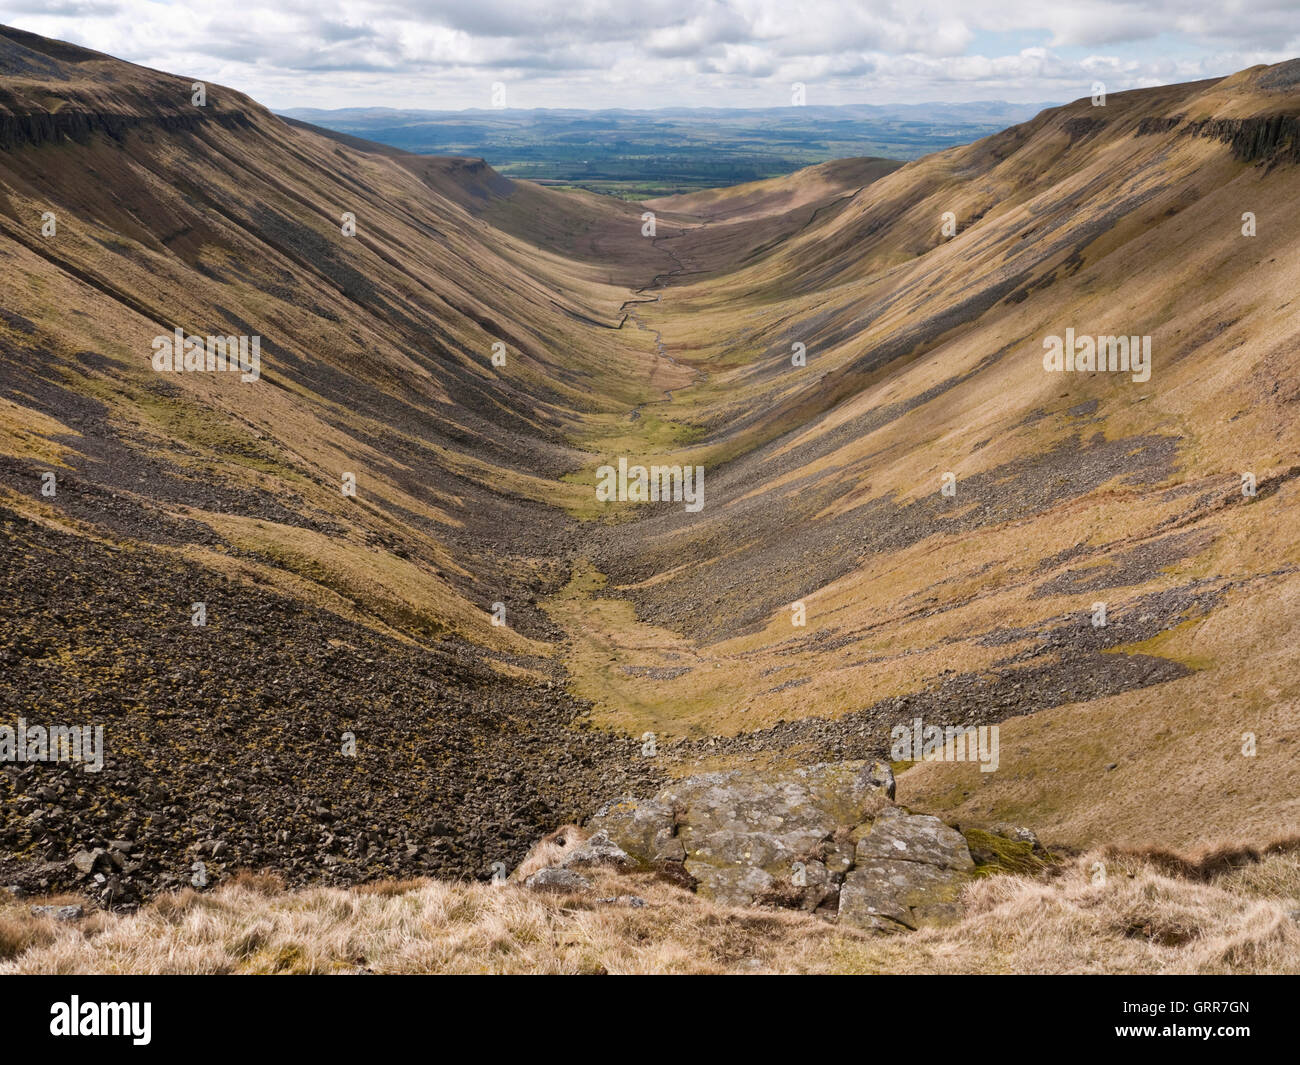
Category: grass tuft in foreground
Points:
column 1102, row 912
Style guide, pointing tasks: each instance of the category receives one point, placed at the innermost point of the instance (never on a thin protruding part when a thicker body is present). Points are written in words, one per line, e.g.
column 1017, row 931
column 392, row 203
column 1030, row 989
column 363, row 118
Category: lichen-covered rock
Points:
column 890, row 894
column 746, row 835
column 555, row 878
column 824, row 838
column 916, row 838
column 908, row 871
column 734, row 884
column 635, row 825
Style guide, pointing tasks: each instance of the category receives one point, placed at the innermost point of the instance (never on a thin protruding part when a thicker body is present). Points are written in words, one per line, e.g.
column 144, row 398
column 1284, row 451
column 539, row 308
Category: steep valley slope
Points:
column 350, row 709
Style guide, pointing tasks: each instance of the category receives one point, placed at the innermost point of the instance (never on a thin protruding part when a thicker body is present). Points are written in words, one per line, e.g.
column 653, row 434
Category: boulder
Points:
column 890, row 895
column 746, row 835
column 736, row 825
column 554, row 878
column 599, row 849
column 823, row 838
column 59, row 913
column 916, row 838
column 635, row 825
column 87, row 861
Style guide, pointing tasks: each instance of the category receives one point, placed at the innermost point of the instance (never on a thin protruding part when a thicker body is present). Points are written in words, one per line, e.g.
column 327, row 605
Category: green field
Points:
column 642, row 154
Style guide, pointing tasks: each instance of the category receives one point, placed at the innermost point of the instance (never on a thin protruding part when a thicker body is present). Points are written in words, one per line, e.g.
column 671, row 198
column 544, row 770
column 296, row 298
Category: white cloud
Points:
column 638, row 53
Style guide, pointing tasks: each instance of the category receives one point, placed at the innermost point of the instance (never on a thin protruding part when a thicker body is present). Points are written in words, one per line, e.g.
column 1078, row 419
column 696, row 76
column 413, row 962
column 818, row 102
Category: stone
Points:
column 890, row 895
column 668, row 848
column 738, row 824
column 634, row 824
column 636, row 902
column 599, row 849
column 819, row 838
column 59, row 913
column 87, row 861
column 738, row 833
column 1017, row 833
column 557, row 879
column 915, row 838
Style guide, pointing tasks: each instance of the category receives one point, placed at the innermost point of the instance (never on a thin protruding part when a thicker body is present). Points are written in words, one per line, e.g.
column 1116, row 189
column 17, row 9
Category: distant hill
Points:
column 636, row 154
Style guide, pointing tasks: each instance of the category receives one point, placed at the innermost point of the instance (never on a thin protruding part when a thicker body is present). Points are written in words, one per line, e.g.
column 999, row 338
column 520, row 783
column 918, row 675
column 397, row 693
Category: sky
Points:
column 449, row 54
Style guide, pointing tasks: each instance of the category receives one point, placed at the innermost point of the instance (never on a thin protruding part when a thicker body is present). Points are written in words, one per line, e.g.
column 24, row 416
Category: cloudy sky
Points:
column 446, row 54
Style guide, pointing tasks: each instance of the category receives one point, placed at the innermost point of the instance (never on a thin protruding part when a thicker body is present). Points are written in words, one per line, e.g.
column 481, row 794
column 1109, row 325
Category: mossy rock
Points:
column 998, row 854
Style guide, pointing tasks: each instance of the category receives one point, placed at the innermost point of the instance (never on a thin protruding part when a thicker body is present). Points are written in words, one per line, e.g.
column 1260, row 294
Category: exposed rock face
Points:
column 886, row 894
column 637, row 826
column 908, row 870
column 820, row 838
column 915, row 838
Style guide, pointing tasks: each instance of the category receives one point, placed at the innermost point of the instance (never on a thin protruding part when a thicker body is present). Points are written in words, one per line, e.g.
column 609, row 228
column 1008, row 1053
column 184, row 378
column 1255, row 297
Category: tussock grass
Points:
column 1103, row 912
column 549, row 850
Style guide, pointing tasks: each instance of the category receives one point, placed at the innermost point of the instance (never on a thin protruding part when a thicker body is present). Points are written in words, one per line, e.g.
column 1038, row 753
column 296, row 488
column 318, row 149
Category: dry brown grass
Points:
column 1120, row 914
column 1210, row 862
column 1104, row 912
column 549, row 850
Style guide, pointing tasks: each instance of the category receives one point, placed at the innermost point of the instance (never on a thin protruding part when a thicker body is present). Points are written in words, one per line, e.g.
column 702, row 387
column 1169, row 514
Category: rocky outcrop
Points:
column 36, row 128
column 1271, row 138
column 1263, row 138
column 908, row 870
column 824, row 838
